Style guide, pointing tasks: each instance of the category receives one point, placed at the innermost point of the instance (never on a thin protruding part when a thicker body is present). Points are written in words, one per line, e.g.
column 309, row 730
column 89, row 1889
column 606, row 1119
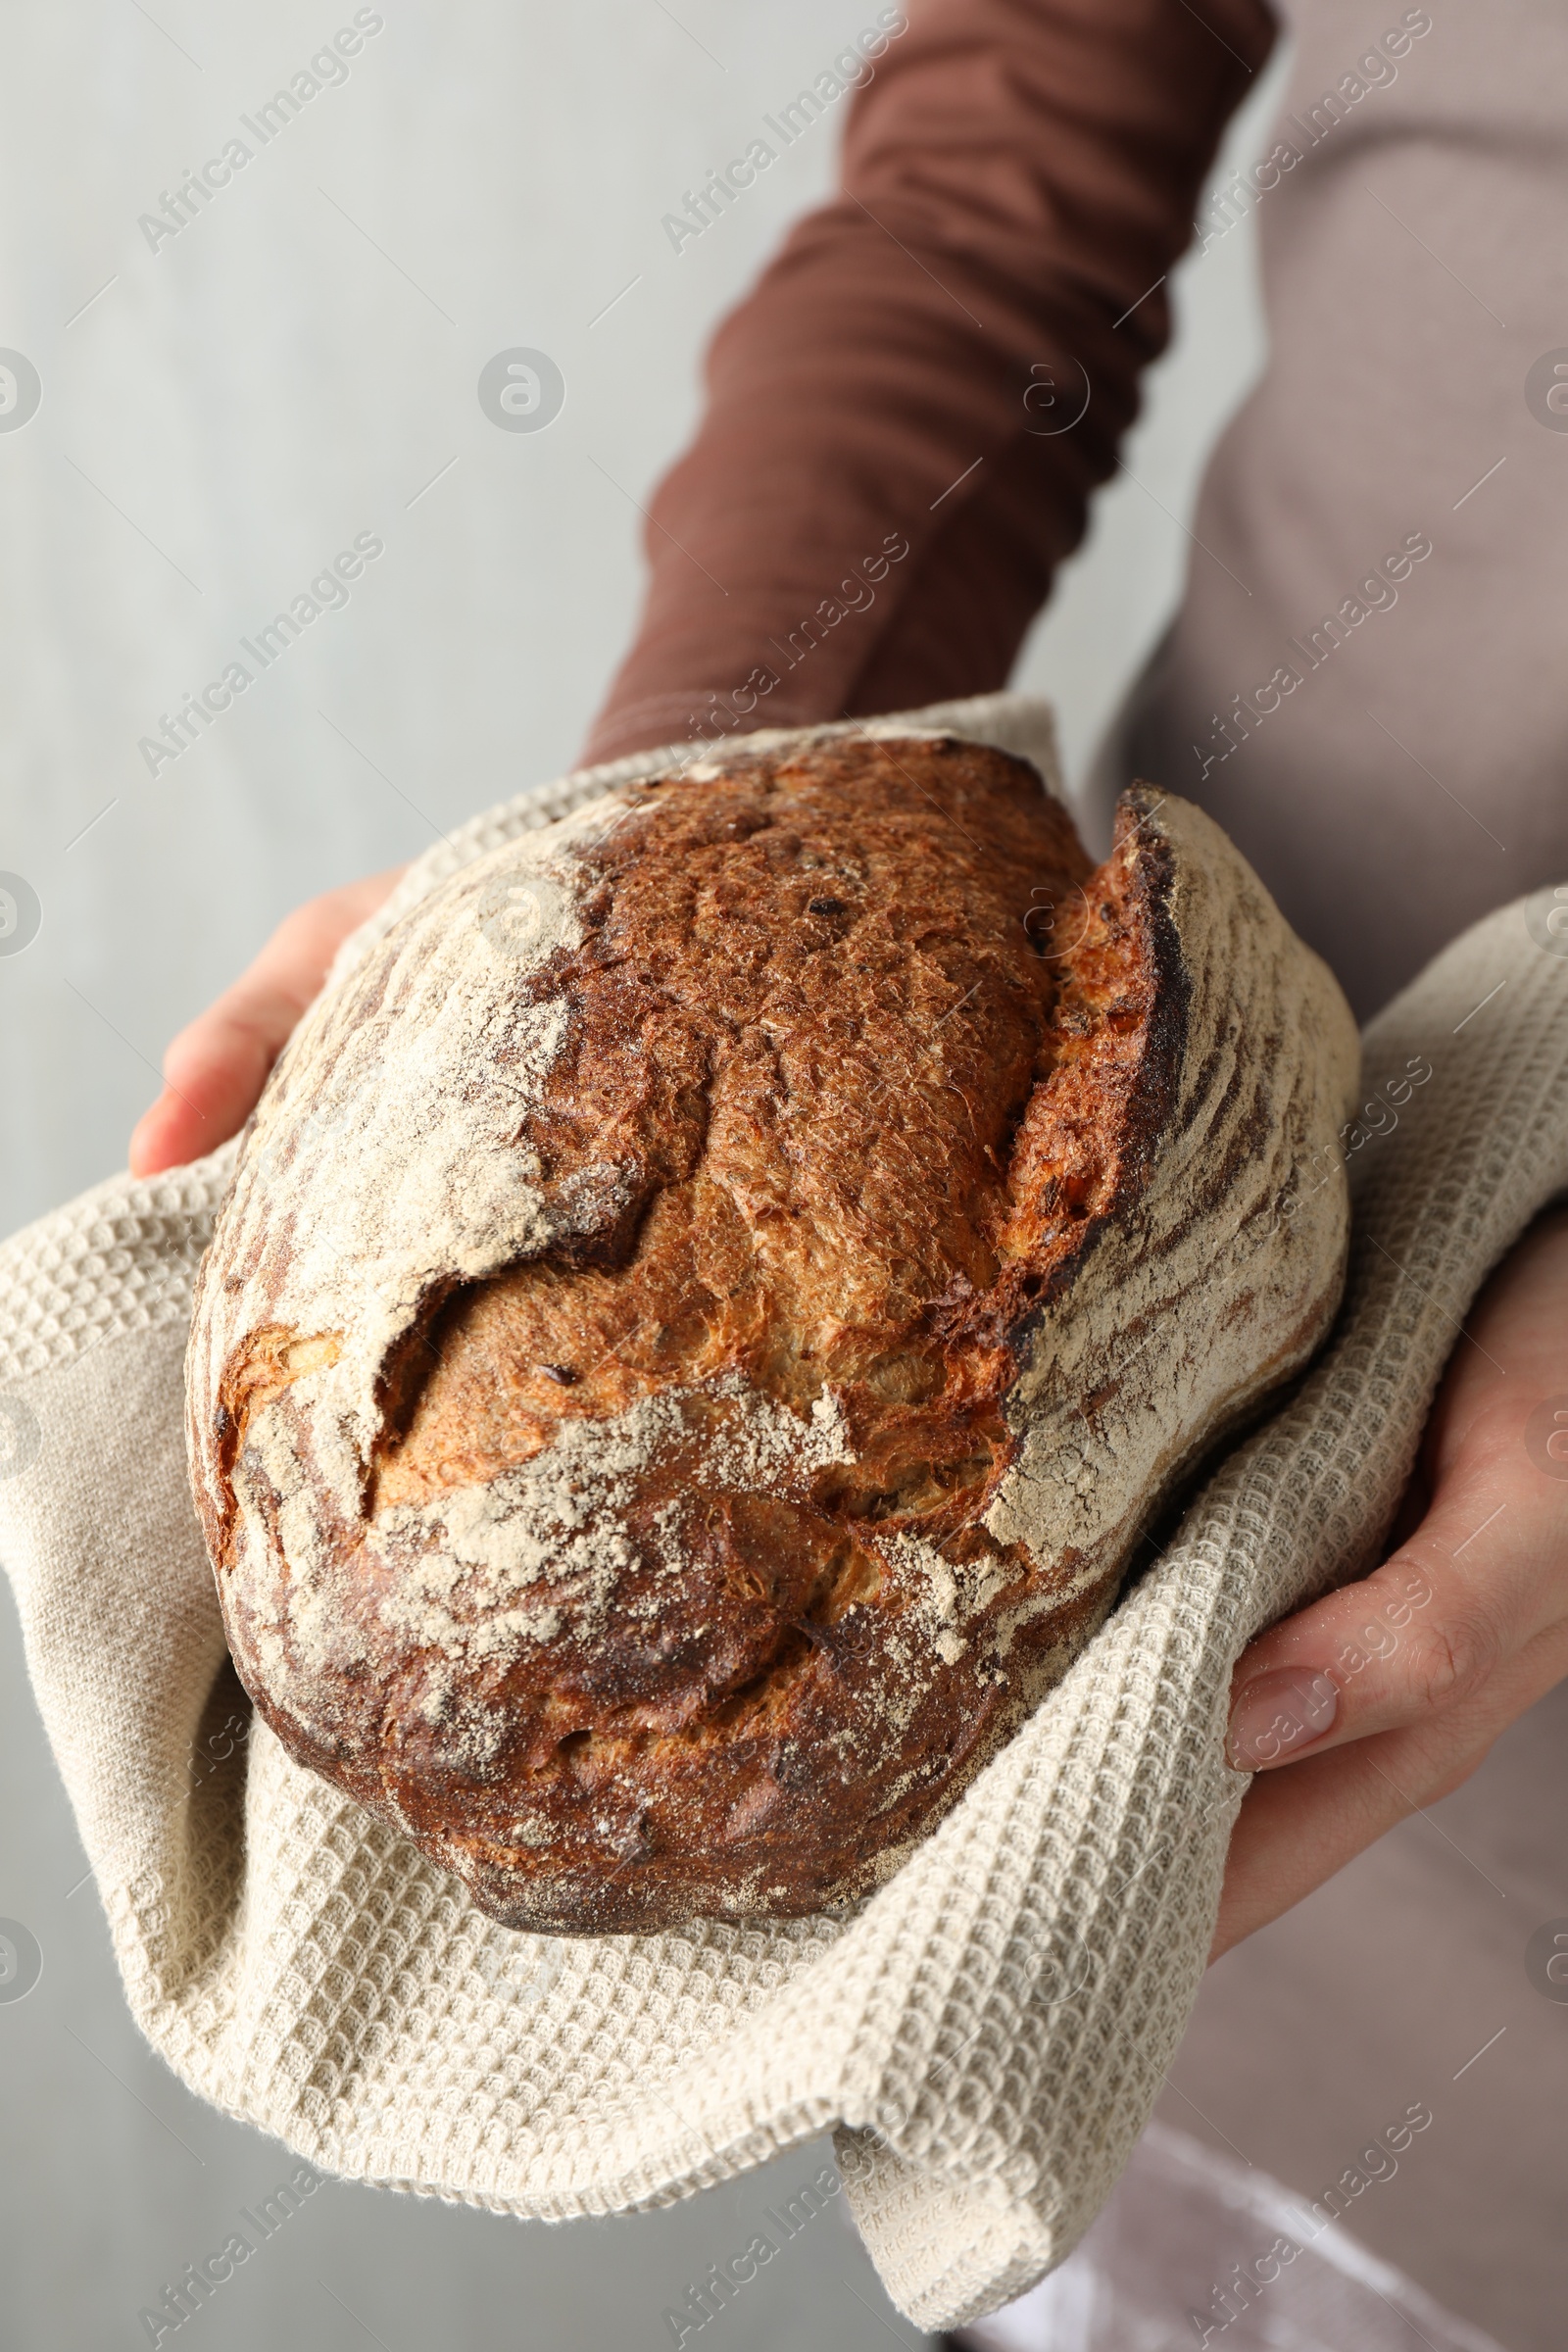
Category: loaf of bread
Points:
column 709, row 1309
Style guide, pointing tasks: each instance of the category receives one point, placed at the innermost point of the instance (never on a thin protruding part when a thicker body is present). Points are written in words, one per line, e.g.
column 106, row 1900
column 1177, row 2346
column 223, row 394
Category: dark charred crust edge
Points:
column 1151, row 890
column 1153, row 887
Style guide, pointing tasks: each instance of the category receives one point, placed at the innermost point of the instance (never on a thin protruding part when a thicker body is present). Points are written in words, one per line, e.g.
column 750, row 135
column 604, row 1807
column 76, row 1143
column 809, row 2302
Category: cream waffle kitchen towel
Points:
column 987, row 2033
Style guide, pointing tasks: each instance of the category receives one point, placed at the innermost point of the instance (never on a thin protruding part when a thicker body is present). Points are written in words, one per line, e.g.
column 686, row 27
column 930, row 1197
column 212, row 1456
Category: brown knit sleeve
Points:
column 871, row 512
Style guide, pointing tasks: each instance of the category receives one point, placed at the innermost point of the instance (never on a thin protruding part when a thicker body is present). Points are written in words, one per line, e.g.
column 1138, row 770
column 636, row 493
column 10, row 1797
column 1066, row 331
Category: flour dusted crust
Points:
column 708, row 1306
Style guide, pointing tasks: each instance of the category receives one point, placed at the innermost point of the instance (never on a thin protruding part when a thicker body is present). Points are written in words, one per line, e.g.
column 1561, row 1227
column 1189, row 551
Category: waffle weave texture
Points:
column 988, row 2031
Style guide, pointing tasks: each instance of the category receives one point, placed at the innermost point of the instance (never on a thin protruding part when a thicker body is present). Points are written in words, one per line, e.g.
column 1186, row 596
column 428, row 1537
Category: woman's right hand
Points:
column 215, row 1070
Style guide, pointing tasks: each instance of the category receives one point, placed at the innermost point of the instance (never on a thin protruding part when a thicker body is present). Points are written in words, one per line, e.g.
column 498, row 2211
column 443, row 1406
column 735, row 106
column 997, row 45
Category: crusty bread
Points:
column 708, row 1309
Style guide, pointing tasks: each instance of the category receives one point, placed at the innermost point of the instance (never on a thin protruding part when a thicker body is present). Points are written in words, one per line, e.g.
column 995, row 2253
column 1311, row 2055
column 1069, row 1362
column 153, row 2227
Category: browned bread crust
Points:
column 663, row 1584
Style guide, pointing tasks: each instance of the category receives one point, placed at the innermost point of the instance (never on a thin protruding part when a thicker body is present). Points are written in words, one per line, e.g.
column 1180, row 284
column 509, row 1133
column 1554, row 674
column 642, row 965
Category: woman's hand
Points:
column 215, row 1070
column 1385, row 1695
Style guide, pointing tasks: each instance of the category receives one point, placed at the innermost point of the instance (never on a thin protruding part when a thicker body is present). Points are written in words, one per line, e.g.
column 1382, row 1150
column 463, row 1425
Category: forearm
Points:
column 866, row 515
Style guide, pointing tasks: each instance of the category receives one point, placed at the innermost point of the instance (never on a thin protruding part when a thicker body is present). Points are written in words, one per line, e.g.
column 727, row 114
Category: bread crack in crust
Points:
column 708, row 1305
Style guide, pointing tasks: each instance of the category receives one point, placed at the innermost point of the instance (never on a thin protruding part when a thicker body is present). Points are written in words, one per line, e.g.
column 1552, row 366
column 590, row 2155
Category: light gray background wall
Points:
column 218, row 418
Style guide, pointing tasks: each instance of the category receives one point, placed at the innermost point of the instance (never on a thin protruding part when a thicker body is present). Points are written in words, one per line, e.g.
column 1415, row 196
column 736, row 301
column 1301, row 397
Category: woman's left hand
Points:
column 1386, row 1694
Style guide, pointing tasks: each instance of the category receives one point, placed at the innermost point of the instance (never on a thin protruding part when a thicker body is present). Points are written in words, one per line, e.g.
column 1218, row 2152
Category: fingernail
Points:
column 1278, row 1714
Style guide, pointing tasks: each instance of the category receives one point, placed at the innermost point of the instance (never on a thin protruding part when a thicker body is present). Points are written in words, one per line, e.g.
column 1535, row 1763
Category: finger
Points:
column 1480, row 1578
column 214, row 1073
column 1297, row 1829
column 214, row 1070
